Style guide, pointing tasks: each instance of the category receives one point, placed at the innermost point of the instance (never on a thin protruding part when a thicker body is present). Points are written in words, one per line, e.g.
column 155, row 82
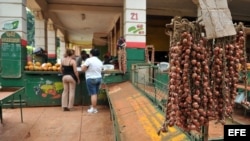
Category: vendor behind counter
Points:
column 40, row 55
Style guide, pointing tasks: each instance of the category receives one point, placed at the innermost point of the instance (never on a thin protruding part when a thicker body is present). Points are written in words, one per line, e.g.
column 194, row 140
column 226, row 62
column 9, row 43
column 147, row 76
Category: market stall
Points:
column 44, row 88
column 42, row 81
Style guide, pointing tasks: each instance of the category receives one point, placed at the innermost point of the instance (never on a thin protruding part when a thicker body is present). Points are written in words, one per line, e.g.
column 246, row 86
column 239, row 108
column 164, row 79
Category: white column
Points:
column 40, row 40
column 13, row 17
column 135, row 23
column 62, row 49
column 51, row 40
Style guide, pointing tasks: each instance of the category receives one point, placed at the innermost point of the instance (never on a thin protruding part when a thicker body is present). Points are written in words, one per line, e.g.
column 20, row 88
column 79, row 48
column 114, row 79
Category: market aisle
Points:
column 52, row 124
column 137, row 117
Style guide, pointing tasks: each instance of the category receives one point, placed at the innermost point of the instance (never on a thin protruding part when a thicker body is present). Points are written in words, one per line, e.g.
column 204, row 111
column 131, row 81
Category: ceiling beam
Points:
column 72, row 7
column 43, row 4
column 56, row 21
column 172, row 12
column 190, row 13
column 240, row 17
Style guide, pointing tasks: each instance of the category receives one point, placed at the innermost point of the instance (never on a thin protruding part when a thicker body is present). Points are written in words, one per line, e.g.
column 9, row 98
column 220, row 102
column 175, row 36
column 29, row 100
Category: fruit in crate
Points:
column 38, row 66
column 37, row 63
column 239, row 67
column 31, row 68
column 49, row 64
column 29, row 63
column 248, row 66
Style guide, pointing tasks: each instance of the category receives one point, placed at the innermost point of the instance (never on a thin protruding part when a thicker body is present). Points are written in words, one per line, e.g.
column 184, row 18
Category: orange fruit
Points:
column 31, row 68
column 54, row 68
column 29, row 63
column 40, row 68
column 49, row 64
column 38, row 64
column 45, row 68
column 36, row 68
column 49, row 68
column 57, row 65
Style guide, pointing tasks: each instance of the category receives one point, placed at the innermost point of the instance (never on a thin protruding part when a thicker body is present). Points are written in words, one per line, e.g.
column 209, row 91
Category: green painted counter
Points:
column 114, row 76
column 44, row 88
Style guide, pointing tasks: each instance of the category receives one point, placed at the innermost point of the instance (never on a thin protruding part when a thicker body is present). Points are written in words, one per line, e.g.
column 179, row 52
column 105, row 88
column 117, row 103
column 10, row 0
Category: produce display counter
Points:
column 44, row 88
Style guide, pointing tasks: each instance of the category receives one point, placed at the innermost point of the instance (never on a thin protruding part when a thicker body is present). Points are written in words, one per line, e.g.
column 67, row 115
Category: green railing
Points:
column 149, row 80
column 143, row 78
column 113, row 115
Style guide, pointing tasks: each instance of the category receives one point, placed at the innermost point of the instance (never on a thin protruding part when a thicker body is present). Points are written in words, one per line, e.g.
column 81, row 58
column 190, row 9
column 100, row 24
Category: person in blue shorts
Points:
column 93, row 73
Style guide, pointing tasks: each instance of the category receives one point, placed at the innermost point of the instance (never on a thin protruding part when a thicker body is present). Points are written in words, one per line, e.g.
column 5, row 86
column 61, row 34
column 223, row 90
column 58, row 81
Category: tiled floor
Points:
column 52, row 124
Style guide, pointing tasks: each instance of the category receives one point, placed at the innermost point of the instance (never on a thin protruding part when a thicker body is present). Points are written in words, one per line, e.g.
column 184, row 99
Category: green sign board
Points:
column 10, row 55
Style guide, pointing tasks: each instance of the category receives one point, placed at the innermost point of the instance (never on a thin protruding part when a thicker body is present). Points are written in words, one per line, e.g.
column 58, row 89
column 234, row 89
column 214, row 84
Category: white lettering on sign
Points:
column 236, row 132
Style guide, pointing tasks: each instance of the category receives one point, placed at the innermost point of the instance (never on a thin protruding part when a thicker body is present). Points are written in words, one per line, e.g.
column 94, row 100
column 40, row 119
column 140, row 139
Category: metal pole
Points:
column 205, row 133
column 21, row 108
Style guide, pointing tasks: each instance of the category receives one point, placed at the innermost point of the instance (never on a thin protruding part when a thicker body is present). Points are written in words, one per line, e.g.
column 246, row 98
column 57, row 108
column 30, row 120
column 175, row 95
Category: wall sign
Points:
column 135, row 23
column 9, row 24
column 10, row 55
column 135, row 28
column 135, row 15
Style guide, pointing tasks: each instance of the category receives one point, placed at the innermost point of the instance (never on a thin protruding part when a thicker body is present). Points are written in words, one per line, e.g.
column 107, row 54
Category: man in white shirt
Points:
column 93, row 73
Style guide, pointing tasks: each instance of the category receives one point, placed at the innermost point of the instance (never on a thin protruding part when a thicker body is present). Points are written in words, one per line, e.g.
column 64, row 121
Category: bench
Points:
column 241, row 86
column 7, row 94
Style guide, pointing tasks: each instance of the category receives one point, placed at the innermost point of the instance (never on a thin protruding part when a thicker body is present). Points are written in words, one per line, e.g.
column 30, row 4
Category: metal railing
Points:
column 143, row 78
column 113, row 115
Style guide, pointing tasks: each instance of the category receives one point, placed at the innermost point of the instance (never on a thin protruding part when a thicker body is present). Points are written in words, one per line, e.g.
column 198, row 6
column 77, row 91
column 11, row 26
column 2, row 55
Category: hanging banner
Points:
column 216, row 17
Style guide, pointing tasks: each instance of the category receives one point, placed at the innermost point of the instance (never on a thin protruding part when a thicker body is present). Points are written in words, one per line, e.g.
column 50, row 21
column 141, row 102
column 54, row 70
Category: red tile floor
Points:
column 216, row 131
column 52, row 124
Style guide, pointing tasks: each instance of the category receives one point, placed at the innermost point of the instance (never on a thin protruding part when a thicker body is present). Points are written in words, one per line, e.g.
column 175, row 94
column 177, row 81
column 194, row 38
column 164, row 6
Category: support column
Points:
column 14, row 20
column 135, row 23
column 40, row 40
column 51, row 38
column 62, row 48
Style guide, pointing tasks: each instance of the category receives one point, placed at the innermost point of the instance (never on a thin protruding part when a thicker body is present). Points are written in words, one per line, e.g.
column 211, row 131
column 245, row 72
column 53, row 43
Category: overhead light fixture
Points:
column 83, row 17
